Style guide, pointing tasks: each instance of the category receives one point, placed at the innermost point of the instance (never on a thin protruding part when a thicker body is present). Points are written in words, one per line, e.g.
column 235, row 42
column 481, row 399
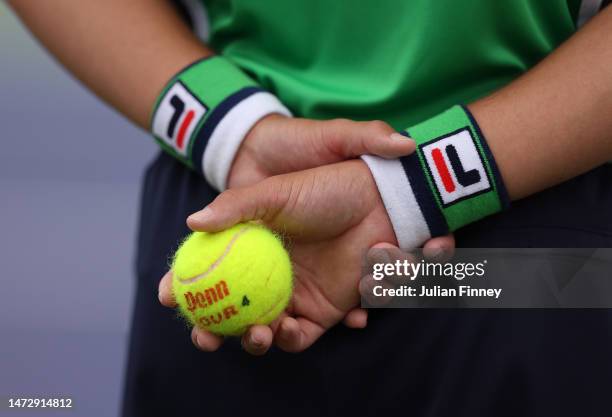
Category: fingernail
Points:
column 194, row 339
column 399, row 137
column 200, row 216
column 255, row 341
column 199, row 342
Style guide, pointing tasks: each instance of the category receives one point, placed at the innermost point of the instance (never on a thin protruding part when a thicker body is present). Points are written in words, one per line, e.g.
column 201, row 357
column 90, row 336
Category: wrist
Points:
column 264, row 129
column 248, row 166
column 450, row 181
column 204, row 114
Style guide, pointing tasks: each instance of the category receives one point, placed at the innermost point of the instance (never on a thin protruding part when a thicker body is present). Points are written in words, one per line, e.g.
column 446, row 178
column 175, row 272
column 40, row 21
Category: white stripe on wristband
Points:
column 398, row 197
column 228, row 135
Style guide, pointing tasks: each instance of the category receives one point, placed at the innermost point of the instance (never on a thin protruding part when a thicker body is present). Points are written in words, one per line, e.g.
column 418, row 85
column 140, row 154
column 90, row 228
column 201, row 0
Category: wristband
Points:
column 205, row 112
column 451, row 179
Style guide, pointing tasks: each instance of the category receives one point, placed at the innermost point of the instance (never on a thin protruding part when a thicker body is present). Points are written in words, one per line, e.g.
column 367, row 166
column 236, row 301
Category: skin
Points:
column 318, row 209
column 552, row 124
column 129, row 66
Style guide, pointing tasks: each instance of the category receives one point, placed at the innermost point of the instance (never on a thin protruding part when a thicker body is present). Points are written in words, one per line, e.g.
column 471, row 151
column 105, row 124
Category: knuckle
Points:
column 230, row 194
column 379, row 127
column 338, row 126
column 277, row 192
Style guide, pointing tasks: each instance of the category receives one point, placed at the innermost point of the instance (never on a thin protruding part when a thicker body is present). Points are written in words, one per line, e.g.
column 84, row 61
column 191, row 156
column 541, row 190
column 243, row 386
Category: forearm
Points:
column 555, row 122
column 141, row 58
column 125, row 51
column 552, row 124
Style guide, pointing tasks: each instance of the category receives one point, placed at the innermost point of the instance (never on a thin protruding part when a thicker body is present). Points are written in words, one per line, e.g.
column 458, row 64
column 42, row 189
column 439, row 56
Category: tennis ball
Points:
column 226, row 281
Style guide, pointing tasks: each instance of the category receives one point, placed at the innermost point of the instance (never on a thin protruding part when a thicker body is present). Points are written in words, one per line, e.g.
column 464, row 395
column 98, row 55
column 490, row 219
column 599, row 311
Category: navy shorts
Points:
column 407, row 362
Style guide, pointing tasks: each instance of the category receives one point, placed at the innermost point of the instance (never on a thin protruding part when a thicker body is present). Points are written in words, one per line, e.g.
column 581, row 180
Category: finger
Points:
column 386, row 253
column 379, row 254
column 204, row 340
column 297, row 334
column 257, row 340
column 349, row 139
column 238, row 205
column 165, row 294
column 356, row 319
column 374, row 292
column 439, row 249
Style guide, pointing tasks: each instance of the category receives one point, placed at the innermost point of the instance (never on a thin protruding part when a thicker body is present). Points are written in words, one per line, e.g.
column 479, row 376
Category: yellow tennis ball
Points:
column 226, row 281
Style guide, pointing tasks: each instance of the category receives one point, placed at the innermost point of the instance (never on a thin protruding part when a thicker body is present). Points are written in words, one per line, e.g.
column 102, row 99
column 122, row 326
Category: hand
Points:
column 279, row 145
column 332, row 214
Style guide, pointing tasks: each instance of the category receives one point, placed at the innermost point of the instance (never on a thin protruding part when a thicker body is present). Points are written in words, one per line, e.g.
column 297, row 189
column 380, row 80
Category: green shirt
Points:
column 398, row 61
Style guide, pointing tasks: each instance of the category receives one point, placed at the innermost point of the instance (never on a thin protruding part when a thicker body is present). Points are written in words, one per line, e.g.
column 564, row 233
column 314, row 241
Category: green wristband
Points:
column 458, row 167
column 451, row 179
column 209, row 104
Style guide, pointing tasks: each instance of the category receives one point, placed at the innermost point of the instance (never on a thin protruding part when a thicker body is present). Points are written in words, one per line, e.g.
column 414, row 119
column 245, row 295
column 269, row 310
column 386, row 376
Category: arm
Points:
column 555, row 122
column 127, row 51
column 124, row 51
column 550, row 125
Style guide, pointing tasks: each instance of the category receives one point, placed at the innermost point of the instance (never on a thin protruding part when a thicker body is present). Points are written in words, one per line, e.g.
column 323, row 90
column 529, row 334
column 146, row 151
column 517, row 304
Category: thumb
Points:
column 348, row 139
column 237, row 205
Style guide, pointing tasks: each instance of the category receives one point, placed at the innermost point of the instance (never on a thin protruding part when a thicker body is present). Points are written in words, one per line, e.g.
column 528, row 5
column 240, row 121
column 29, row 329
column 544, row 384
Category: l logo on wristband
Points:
column 456, row 166
column 177, row 116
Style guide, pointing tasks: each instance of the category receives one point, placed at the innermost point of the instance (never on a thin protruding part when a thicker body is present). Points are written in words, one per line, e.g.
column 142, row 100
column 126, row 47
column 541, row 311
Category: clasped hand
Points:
column 300, row 177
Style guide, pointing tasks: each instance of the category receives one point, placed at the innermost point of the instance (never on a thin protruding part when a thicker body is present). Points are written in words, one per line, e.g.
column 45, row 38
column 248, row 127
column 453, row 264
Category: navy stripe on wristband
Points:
column 502, row 193
column 213, row 120
column 422, row 191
